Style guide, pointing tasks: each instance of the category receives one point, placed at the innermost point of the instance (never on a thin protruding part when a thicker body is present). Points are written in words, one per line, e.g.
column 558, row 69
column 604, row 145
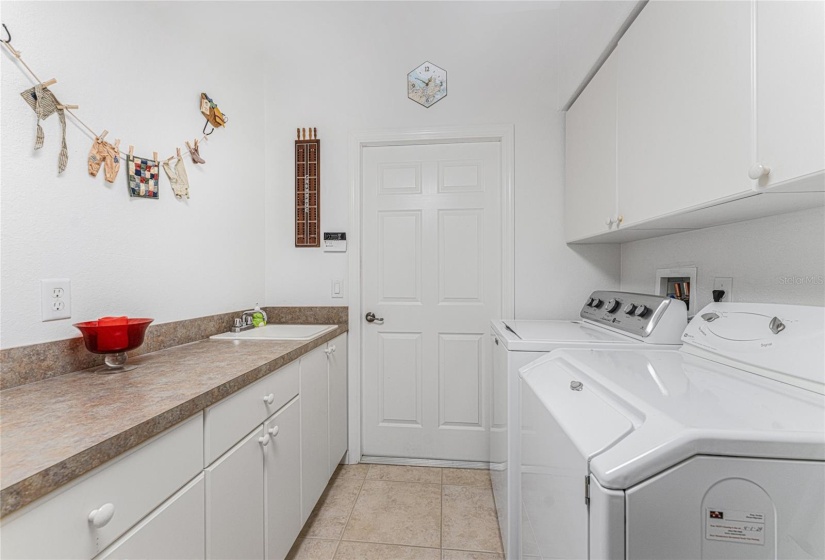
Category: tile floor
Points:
column 388, row 512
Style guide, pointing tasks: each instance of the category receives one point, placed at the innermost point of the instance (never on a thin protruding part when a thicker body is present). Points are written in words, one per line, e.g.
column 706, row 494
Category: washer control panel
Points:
column 636, row 314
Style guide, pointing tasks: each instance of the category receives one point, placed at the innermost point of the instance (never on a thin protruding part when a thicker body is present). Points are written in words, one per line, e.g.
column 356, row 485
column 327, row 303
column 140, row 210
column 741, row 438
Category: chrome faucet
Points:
column 244, row 322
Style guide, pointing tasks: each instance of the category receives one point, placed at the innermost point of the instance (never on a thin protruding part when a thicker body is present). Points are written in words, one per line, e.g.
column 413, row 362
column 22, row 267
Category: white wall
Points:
column 136, row 69
column 347, row 71
column 779, row 259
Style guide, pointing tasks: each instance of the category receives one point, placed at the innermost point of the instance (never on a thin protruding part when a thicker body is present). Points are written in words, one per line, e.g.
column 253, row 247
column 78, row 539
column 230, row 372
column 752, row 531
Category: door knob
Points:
column 371, row 318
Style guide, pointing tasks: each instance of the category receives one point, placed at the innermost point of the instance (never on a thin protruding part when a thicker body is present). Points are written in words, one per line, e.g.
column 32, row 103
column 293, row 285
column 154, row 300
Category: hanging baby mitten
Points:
column 193, row 151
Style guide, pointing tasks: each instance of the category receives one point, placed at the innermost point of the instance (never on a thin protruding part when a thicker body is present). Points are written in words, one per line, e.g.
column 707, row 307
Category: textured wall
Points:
column 136, row 69
column 779, row 259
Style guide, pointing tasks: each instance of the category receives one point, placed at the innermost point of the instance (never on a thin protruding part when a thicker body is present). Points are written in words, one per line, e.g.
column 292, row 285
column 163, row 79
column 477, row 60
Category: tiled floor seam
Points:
column 355, row 501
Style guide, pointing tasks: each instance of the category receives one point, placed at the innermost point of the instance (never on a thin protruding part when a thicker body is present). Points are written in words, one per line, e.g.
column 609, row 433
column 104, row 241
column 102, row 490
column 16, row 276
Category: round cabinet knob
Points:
column 641, row 311
column 612, row 306
column 758, row 170
column 273, row 431
column 102, row 515
column 609, row 222
column 269, row 399
column 264, row 440
column 630, row 308
column 328, row 351
column 333, row 349
column 596, row 302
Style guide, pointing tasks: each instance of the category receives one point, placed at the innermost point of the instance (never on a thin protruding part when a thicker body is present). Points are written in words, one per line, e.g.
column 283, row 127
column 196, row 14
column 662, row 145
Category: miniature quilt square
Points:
column 142, row 177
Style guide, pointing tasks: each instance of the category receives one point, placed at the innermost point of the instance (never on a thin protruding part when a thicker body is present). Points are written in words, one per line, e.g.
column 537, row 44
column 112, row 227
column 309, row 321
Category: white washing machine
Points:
column 608, row 320
column 714, row 451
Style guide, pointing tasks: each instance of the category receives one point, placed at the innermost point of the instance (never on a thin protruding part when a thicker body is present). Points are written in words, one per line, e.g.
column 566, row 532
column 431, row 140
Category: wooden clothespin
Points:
column 155, row 156
column 178, row 152
column 131, row 151
column 60, row 106
column 48, row 83
column 117, row 144
column 103, row 134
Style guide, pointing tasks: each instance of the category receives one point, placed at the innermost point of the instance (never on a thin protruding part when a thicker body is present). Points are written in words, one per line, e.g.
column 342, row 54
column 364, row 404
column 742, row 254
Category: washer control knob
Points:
column 641, row 311
column 596, row 302
column 630, row 308
column 612, row 305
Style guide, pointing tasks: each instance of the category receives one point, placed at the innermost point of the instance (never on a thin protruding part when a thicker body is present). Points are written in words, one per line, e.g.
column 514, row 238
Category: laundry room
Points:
column 464, row 280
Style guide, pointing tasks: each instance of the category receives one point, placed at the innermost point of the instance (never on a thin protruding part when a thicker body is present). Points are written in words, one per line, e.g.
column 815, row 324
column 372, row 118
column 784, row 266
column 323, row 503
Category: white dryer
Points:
column 715, row 451
column 608, row 320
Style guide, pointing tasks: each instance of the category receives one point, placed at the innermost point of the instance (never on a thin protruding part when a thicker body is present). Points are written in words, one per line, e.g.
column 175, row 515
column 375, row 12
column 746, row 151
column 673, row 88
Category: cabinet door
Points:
column 790, row 78
column 282, row 481
column 235, row 501
column 590, row 156
column 314, row 429
column 173, row 531
column 684, row 109
column 337, row 362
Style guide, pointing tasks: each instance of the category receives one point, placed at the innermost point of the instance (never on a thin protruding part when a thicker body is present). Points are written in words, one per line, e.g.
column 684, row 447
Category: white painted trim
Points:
column 358, row 140
column 426, row 463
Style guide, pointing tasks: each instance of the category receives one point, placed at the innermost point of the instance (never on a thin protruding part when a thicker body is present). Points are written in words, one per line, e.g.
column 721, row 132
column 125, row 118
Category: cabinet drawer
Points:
column 233, row 417
column 173, row 531
column 131, row 485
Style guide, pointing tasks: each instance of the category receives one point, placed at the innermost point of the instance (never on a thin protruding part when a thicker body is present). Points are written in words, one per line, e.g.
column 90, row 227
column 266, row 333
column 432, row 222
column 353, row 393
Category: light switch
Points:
column 337, row 289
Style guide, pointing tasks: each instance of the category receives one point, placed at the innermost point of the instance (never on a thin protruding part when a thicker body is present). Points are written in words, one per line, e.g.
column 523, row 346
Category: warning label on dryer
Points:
column 747, row 527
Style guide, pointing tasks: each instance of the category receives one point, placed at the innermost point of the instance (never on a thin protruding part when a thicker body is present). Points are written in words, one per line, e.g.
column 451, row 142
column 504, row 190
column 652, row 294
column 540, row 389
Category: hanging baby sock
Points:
column 142, row 175
column 177, row 177
column 193, row 151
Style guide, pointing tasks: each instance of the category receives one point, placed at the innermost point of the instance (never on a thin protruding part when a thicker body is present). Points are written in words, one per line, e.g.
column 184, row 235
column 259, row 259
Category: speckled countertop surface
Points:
column 56, row 430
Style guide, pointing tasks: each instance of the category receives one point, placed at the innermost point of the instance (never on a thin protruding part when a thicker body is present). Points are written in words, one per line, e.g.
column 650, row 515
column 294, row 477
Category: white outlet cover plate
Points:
column 722, row 283
column 56, row 299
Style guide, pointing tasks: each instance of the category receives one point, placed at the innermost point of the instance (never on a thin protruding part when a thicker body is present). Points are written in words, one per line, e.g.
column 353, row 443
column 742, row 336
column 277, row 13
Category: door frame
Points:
column 358, row 140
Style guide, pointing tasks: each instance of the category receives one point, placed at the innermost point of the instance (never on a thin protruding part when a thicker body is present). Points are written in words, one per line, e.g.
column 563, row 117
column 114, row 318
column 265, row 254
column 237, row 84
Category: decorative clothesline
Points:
column 68, row 108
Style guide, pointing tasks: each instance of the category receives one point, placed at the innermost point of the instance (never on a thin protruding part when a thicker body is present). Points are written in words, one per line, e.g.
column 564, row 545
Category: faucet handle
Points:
column 238, row 322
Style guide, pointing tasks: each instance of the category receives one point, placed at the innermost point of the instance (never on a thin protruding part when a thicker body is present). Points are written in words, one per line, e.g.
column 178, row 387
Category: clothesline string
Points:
column 75, row 118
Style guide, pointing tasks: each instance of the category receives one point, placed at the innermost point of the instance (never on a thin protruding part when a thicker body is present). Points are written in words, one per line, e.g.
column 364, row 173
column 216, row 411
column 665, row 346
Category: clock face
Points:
column 427, row 84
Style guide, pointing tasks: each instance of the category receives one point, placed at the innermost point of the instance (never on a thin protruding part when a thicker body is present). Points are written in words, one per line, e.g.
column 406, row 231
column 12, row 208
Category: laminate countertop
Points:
column 56, row 430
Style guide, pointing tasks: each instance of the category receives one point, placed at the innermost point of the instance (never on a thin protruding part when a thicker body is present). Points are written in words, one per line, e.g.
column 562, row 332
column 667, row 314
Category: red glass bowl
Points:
column 114, row 340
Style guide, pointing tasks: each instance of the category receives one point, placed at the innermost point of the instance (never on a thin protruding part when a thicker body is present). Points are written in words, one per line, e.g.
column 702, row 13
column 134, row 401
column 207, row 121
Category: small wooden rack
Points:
column 307, row 188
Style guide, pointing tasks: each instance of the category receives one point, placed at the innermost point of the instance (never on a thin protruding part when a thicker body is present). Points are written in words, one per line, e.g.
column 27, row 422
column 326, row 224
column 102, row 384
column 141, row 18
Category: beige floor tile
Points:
column 469, row 519
column 372, row 551
column 404, row 473
column 328, row 519
column 466, row 477
column 358, row 471
column 468, row 555
column 405, row 513
column 312, row 549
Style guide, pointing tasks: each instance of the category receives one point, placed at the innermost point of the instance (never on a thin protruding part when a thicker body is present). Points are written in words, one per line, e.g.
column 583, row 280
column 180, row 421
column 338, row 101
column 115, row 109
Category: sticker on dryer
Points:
column 745, row 527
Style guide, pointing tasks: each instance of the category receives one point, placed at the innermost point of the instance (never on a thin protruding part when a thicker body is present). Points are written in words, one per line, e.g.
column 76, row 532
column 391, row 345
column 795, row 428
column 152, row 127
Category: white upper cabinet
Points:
column 590, row 145
column 684, row 107
column 790, row 92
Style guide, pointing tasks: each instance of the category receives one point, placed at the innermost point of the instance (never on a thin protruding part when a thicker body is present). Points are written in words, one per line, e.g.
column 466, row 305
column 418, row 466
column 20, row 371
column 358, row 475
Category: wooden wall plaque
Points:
column 307, row 188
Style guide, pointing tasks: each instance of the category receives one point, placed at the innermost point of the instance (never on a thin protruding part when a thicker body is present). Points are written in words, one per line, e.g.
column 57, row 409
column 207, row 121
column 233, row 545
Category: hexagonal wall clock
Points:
column 427, row 84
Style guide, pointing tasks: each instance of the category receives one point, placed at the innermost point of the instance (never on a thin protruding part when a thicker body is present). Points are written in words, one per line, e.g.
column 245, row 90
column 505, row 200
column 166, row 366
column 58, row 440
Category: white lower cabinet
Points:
column 314, row 429
column 337, row 371
column 235, row 501
column 282, row 488
column 174, row 530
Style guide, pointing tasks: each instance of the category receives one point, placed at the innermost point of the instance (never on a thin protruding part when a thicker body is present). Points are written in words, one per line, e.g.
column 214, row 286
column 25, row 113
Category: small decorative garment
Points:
column 209, row 109
column 194, row 151
column 104, row 153
column 177, row 177
column 142, row 174
column 45, row 104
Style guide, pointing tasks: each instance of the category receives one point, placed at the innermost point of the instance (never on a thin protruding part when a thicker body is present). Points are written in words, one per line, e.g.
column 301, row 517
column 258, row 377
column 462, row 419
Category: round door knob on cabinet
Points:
column 609, row 222
column 630, row 308
column 264, row 440
column 273, row 431
column 270, row 398
column 758, row 170
column 328, row 351
column 612, row 306
column 641, row 311
column 102, row 515
column 333, row 349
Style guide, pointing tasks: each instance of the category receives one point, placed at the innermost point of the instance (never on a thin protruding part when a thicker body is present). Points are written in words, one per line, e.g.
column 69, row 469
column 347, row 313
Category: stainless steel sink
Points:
column 278, row 332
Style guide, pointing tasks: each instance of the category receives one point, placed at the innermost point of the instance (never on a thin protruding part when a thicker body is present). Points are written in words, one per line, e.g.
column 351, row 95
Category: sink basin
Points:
column 278, row 332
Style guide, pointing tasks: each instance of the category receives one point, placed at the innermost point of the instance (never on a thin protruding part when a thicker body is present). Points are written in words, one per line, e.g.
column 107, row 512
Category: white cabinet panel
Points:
column 790, row 95
column 590, row 156
column 337, row 362
column 314, row 429
column 131, row 486
column 684, row 110
column 173, row 531
column 235, row 501
column 282, row 466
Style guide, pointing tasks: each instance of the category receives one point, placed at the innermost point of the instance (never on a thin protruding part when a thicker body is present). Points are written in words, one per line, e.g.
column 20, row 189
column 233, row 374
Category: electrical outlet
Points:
column 725, row 284
column 337, row 288
column 56, row 299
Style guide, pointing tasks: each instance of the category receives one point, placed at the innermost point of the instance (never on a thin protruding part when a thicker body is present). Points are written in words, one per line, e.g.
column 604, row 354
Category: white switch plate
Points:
column 724, row 284
column 56, row 299
column 337, row 288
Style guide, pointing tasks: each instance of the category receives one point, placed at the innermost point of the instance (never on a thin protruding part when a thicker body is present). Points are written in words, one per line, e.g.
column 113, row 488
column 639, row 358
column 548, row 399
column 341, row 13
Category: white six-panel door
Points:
column 431, row 269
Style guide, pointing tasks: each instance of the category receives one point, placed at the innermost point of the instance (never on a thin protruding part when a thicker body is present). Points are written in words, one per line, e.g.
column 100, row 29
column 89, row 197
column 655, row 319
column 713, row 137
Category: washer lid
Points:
column 683, row 405
column 544, row 336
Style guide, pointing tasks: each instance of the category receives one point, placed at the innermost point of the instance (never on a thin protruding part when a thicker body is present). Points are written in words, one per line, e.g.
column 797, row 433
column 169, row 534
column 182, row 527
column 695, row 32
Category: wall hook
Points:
column 8, row 34
column 204, row 129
